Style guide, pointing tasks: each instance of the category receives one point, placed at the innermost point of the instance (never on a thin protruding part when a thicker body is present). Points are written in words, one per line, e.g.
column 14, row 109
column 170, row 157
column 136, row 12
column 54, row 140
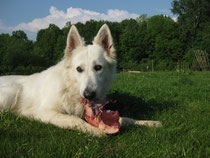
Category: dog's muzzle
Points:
column 89, row 94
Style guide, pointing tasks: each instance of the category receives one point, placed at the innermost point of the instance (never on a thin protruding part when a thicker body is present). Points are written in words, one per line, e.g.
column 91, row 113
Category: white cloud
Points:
column 167, row 12
column 163, row 11
column 59, row 18
column 175, row 19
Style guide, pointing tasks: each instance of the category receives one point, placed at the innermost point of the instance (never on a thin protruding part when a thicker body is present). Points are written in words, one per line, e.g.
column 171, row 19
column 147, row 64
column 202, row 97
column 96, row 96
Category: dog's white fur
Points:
column 53, row 96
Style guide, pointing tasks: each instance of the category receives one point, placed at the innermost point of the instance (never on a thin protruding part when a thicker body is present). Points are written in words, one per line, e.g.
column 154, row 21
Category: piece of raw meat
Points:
column 97, row 116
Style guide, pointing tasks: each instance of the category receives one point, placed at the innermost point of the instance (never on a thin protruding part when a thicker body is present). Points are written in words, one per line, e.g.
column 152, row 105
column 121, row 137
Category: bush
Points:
column 20, row 70
column 164, row 65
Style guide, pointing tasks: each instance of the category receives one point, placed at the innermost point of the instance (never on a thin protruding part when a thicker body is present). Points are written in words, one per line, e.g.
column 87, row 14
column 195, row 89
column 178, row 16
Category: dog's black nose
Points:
column 89, row 94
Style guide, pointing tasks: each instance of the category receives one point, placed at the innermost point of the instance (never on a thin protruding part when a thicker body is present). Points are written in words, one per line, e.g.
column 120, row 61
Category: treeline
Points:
column 157, row 42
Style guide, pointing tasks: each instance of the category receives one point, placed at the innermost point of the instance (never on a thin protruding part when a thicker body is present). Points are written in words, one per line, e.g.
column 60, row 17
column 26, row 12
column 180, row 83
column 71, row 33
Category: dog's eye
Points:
column 79, row 69
column 97, row 67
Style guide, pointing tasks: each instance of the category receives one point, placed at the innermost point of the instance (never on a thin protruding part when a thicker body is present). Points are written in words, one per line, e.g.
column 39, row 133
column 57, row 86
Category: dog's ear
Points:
column 73, row 40
column 104, row 39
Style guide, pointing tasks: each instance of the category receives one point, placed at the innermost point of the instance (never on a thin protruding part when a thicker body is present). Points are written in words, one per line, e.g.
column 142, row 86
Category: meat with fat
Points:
column 97, row 116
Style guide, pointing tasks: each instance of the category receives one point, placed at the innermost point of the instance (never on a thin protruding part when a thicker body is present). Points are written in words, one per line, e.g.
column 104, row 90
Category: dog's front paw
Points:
column 95, row 131
column 156, row 124
column 149, row 123
column 99, row 133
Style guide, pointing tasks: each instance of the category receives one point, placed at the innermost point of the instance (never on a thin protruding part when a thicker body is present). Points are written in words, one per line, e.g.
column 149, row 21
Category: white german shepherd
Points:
column 53, row 96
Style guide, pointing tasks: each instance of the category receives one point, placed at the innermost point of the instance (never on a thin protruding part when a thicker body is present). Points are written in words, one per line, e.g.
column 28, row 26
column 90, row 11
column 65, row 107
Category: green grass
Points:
column 180, row 101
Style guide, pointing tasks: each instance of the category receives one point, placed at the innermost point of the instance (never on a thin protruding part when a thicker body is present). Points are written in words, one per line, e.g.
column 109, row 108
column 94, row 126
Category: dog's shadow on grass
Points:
column 135, row 107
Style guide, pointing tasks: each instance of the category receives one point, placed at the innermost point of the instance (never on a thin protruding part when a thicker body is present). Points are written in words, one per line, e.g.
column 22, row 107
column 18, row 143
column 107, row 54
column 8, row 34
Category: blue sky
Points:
column 32, row 15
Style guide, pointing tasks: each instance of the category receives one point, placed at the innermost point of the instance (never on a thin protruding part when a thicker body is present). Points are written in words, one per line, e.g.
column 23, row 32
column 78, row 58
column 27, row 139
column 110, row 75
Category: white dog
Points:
column 53, row 96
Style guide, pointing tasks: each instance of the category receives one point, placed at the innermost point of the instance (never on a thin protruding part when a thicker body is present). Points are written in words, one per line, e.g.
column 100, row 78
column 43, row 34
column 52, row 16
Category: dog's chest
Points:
column 70, row 103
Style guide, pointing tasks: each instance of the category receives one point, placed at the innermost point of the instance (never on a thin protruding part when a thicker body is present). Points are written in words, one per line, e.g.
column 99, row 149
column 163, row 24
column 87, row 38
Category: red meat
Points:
column 97, row 116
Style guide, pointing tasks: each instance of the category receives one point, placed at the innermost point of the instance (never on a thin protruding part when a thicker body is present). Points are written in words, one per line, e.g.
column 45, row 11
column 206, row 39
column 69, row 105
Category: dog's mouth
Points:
column 96, row 115
column 95, row 106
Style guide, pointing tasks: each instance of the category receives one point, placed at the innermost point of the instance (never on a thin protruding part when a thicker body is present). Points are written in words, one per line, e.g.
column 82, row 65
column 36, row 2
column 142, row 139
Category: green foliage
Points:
column 203, row 38
column 19, row 35
column 46, row 42
column 16, row 53
column 129, row 40
column 191, row 16
column 144, row 43
column 164, row 38
column 4, row 42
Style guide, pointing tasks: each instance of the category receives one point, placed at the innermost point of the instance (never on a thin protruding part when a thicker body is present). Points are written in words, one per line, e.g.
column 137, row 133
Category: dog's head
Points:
column 93, row 66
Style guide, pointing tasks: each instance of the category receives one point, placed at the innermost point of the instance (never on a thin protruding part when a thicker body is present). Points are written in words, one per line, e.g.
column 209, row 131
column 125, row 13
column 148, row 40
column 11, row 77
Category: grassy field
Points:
column 180, row 101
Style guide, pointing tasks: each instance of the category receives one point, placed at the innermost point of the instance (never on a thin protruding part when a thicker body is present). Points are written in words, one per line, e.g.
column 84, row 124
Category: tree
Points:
column 191, row 15
column 165, row 46
column 59, row 47
column 4, row 41
column 19, row 35
column 18, row 50
column 46, row 42
column 203, row 37
column 142, row 18
column 128, row 41
column 138, row 42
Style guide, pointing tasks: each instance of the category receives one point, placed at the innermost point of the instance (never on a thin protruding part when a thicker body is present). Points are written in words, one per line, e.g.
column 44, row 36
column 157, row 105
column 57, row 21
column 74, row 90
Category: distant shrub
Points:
column 20, row 70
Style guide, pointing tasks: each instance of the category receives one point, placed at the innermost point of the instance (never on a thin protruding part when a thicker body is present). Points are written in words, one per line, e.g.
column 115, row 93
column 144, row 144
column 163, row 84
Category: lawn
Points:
column 180, row 101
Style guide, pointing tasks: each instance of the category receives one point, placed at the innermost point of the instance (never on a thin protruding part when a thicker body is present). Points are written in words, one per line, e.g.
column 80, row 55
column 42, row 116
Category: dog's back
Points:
column 9, row 91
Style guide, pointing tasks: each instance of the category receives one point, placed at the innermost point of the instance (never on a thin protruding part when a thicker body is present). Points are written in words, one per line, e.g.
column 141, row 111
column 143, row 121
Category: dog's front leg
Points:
column 124, row 121
column 69, row 122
